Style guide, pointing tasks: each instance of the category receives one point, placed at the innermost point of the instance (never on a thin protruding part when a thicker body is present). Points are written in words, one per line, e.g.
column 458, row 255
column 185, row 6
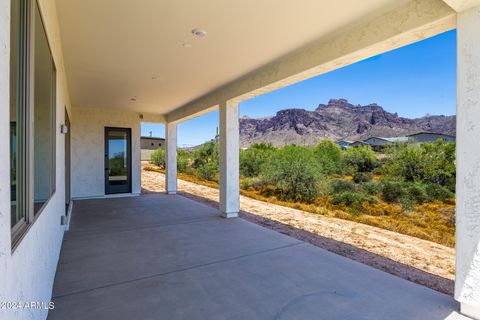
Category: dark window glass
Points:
column 43, row 117
column 16, row 107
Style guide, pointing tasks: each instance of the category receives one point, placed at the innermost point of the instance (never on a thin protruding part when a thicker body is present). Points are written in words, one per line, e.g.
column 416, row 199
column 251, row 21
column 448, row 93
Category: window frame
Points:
column 25, row 123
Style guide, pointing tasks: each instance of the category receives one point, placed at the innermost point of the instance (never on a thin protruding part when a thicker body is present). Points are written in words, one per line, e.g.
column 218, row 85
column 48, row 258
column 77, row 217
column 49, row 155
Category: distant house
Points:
column 379, row 143
column 358, row 143
column 421, row 137
column 344, row 144
column 148, row 145
column 151, row 143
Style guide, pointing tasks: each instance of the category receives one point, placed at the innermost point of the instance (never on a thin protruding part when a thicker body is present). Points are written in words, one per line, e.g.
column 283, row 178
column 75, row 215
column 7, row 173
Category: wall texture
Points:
column 467, row 282
column 27, row 273
column 88, row 149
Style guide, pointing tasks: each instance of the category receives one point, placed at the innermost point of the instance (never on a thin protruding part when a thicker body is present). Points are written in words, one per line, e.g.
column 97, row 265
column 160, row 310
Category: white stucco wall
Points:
column 27, row 273
column 467, row 282
column 88, row 149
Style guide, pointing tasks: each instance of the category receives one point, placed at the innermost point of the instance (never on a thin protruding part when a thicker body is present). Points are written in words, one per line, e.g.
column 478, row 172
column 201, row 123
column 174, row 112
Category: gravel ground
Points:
column 417, row 260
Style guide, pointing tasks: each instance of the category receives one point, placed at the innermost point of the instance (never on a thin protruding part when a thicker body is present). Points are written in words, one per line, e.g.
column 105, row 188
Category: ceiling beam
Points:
column 462, row 5
column 412, row 22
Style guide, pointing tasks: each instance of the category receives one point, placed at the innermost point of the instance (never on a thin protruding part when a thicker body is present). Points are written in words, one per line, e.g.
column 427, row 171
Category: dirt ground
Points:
column 417, row 260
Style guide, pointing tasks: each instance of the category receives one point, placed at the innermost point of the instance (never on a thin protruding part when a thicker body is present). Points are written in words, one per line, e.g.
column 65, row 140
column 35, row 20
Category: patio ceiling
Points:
column 116, row 50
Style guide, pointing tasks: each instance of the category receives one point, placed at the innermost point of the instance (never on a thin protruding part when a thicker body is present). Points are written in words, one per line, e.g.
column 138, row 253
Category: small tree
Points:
column 329, row 156
column 360, row 159
column 205, row 161
column 254, row 158
column 295, row 172
column 158, row 157
column 184, row 161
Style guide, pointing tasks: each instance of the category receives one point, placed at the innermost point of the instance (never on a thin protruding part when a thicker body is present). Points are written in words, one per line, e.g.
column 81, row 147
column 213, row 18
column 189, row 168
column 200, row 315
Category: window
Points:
column 32, row 116
column 16, row 110
column 43, row 111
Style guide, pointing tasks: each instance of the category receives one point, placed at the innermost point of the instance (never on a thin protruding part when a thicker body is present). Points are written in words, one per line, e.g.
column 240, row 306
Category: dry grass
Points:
column 430, row 221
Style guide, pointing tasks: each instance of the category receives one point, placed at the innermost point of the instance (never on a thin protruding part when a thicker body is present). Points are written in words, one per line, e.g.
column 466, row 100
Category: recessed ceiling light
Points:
column 199, row 32
column 186, row 45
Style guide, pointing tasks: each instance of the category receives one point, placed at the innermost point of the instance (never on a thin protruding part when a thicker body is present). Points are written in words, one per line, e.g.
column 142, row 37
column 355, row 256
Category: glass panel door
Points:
column 117, row 160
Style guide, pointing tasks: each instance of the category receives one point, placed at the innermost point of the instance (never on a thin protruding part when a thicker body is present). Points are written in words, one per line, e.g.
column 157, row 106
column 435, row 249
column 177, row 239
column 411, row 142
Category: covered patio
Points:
column 77, row 80
column 160, row 256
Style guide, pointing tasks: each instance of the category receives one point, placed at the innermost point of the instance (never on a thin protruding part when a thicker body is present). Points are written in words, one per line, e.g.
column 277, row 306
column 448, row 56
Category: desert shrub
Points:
column 254, row 158
column 371, row 187
column 208, row 171
column 329, row 156
column 359, row 177
column 392, row 191
column 252, row 183
column 407, row 162
column 416, row 193
column 438, row 192
column 295, row 172
column 337, row 186
column 158, row 158
column 205, row 161
column 360, row 159
column 184, row 161
column 427, row 163
column 351, row 198
column 440, row 168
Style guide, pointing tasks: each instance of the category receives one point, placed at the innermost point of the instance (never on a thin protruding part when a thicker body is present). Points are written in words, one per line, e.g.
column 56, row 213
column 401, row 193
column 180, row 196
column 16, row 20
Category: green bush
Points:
column 360, row 159
column 158, row 158
column 252, row 183
column 371, row 187
column 329, row 156
column 438, row 192
column 208, row 171
column 337, row 186
column 184, row 161
column 350, row 198
column 416, row 192
column 254, row 158
column 427, row 163
column 205, row 161
column 295, row 172
column 359, row 177
column 392, row 191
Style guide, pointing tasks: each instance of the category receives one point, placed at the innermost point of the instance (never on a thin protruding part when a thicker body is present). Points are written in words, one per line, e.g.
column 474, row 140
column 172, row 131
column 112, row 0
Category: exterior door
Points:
column 118, row 160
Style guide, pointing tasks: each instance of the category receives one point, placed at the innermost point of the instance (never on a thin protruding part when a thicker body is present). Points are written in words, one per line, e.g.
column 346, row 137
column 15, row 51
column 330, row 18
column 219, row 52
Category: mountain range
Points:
column 338, row 119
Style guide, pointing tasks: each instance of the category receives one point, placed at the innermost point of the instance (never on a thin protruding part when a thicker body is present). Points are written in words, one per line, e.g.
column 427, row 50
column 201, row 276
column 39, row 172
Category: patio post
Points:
column 171, row 158
column 229, row 159
column 467, row 281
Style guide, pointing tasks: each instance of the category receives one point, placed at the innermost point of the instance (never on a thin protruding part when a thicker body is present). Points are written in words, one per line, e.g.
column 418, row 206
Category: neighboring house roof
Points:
column 153, row 138
column 359, row 142
column 433, row 133
column 390, row 140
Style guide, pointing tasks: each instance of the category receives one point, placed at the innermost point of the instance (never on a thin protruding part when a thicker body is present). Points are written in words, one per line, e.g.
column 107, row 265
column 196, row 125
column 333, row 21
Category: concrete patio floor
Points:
column 168, row 257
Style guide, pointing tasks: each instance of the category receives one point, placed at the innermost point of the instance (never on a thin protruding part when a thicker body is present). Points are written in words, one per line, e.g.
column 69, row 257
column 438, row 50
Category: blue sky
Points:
column 412, row 81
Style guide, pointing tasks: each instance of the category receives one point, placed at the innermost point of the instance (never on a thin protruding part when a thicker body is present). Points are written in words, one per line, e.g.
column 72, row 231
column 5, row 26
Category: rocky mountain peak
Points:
column 337, row 119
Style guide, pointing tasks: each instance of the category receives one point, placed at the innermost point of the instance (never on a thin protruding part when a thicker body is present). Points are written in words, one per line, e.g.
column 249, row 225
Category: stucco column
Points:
column 229, row 160
column 467, row 281
column 171, row 158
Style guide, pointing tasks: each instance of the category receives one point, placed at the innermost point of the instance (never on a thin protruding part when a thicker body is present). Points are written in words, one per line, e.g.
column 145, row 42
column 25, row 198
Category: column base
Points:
column 470, row 311
column 171, row 192
column 229, row 215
